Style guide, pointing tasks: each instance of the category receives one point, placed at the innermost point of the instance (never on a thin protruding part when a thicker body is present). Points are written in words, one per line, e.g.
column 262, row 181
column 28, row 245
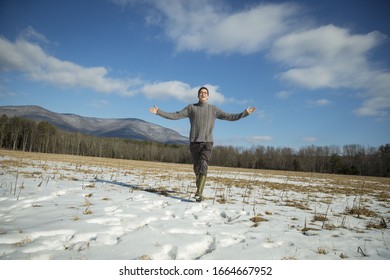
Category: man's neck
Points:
column 202, row 103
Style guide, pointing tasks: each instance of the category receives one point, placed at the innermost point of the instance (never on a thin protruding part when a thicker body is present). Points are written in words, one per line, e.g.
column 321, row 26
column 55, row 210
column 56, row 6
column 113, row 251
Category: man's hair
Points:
column 208, row 93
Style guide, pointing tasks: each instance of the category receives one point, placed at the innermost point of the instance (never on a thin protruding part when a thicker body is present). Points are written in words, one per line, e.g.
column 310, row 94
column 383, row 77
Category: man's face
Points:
column 203, row 96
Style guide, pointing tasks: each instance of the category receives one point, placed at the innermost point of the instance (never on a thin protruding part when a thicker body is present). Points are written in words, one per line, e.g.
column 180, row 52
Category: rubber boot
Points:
column 197, row 186
column 200, row 182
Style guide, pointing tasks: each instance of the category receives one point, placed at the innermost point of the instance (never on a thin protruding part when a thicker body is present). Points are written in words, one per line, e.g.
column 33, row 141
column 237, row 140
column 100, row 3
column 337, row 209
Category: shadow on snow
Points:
column 166, row 193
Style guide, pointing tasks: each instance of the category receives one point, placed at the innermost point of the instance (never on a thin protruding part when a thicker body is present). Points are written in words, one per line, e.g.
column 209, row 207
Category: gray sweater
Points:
column 202, row 118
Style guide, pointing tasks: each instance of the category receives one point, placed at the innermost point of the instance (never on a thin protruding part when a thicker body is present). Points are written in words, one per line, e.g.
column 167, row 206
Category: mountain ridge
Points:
column 129, row 128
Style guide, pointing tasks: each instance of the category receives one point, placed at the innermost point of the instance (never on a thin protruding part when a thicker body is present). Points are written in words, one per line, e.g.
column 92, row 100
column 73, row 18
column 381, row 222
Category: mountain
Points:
column 129, row 128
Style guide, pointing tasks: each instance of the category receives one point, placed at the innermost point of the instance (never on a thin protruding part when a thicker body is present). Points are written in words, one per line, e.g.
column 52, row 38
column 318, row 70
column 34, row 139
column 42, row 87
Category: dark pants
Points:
column 201, row 154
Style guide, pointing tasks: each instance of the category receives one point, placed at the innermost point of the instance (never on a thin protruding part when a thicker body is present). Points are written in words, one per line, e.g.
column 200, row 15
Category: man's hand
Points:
column 153, row 109
column 250, row 110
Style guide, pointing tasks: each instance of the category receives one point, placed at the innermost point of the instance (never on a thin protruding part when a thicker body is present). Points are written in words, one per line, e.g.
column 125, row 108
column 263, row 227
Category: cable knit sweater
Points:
column 202, row 119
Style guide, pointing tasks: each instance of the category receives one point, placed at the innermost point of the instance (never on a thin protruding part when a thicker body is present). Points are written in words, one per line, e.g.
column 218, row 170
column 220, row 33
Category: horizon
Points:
column 240, row 148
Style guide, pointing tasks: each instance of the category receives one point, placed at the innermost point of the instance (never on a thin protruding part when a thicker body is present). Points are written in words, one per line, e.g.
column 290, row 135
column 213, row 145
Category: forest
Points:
column 27, row 135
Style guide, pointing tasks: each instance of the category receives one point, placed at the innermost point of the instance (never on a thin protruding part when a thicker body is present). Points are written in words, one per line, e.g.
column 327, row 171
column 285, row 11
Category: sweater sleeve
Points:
column 176, row 115
column 229, row 117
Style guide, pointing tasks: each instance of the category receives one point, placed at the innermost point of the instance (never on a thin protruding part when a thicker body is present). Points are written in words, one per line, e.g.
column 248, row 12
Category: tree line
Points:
column 27, row 135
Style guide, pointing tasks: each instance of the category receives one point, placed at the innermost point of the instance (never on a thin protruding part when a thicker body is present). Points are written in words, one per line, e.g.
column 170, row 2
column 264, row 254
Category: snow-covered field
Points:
column 68, row 207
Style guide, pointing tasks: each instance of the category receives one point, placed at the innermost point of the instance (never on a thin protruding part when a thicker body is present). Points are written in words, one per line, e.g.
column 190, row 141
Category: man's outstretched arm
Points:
column 233, row 117
column 172, row 116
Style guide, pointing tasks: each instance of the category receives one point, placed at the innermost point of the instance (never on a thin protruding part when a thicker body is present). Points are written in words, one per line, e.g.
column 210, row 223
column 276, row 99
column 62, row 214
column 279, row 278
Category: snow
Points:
column 65, row 208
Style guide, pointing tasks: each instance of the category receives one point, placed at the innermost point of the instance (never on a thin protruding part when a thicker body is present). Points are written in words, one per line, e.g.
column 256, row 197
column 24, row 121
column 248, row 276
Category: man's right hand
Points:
column 153, row 109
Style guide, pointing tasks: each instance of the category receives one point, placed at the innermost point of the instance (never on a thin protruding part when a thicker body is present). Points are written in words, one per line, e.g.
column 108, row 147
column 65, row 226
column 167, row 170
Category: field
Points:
column 71, row 207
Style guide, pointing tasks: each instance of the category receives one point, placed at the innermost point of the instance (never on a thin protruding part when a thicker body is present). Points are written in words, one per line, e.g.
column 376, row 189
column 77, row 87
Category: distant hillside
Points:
column 130, row 128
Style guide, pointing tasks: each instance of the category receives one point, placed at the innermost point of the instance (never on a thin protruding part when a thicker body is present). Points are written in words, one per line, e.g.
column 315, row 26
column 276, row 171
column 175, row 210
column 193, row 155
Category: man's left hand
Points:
column 250, row 110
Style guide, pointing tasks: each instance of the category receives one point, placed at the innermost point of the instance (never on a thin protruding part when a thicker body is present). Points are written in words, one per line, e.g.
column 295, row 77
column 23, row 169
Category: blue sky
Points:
column 317, row 71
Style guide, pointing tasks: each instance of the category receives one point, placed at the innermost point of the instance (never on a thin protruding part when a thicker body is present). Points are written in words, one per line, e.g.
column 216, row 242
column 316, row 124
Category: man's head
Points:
column 203, row 94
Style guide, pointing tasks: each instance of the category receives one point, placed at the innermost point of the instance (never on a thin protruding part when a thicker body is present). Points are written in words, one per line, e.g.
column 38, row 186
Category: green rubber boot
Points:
column 200, row 182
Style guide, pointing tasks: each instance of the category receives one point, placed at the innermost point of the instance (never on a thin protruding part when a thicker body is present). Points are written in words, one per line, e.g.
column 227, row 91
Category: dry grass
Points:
column 23, row 242
column 361, row 211
column 258, row 219
column 297, row 204
column 320, row 218
column 87, row 211
column 377, row 224
column 322, row 251
column 144, row 258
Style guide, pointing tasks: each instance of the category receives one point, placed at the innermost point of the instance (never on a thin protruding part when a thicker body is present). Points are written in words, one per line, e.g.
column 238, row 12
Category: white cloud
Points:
column 30, row 34
column 31, row 59
column 377, row 96
column 325, row 44
column 283, row 95
column 180, row 91
column 310, row 139
column 319, row 102
column 259, row 138
column 331, row 57
column 208, row 25
column 327, row 56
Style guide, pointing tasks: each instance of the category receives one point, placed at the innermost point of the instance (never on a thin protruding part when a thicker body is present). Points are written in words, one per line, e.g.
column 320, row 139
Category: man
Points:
column 202, row 118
